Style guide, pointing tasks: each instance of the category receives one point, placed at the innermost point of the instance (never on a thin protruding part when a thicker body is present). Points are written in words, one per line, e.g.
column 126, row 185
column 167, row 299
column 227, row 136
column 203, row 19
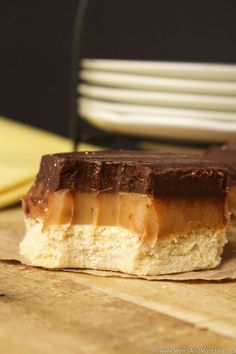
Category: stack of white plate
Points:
column 185, row 101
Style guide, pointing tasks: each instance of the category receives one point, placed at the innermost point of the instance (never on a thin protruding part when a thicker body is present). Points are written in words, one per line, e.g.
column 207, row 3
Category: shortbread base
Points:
column 118, row 249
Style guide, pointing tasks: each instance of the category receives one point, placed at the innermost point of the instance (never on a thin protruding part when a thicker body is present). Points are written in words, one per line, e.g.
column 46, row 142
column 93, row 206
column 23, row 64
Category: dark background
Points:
column 35, row 42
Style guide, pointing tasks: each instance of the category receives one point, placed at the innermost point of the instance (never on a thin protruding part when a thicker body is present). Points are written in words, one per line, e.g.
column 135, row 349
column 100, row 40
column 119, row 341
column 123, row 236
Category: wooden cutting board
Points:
column 59, row 312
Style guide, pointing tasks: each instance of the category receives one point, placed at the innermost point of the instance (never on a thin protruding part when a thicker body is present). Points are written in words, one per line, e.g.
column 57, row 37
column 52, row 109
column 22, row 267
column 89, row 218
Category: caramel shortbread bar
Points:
column 134, row 212
column 225, row 155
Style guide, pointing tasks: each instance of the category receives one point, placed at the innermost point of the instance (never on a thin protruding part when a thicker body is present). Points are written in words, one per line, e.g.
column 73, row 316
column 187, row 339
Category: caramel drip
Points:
column 232, row 199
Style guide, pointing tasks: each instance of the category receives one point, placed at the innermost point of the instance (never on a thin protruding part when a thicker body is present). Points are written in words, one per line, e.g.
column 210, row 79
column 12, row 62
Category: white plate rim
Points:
column 208, row 102
column 92, row 104
column 199, row 70
column 166, row 84
column 113, row 123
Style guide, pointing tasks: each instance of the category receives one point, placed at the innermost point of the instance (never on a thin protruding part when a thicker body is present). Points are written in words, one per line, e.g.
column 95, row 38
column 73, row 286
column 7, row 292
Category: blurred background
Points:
column 35, row 39
column 182, row 98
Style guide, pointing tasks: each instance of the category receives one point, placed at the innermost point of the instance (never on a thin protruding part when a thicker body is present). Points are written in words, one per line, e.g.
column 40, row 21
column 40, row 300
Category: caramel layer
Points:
column 145, row 215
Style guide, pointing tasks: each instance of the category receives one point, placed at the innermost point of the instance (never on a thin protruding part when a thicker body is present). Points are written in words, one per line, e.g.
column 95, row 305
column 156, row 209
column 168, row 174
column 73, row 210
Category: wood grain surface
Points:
column 63, row 312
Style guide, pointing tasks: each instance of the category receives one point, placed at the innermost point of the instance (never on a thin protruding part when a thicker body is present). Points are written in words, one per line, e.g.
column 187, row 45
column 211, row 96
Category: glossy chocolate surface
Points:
column 152, row 173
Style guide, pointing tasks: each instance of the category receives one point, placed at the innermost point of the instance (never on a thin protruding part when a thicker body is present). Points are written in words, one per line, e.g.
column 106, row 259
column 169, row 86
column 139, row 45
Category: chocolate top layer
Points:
column 224, row 155
column 157, row 174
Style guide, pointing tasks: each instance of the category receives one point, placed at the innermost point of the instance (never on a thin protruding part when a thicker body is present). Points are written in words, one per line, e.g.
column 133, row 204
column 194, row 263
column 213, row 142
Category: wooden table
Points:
column 60, row 312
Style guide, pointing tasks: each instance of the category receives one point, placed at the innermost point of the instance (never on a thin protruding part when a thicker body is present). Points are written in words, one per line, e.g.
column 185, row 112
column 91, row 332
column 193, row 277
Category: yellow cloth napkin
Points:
column 21, row 148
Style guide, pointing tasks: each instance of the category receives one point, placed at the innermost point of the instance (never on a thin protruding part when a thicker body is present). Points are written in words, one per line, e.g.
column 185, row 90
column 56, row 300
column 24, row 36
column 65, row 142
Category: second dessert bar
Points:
column 225, row 156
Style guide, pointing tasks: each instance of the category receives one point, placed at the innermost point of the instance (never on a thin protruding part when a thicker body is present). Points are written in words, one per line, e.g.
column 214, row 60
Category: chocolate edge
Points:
column 92, row 175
